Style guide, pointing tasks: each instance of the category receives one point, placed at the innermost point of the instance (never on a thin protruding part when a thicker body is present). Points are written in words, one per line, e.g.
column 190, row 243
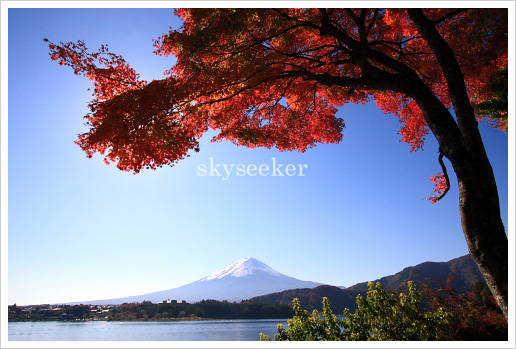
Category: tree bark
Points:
column 483, row 227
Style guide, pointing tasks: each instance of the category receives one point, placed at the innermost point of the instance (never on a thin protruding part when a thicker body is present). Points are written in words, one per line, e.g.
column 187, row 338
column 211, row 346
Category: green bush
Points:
column 380, row 316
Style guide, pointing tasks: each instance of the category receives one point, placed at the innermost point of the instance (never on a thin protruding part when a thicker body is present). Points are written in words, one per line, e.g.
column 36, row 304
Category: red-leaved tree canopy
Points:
column 275, row 78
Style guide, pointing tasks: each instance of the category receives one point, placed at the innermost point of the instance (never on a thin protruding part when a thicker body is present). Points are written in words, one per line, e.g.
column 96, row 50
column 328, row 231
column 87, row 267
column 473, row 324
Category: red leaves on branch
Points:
column 475, row 315
column 132, row 122
column 441, row 186
column 414, row 127
column 110, row 73
column 140, row 129
column 274, row 78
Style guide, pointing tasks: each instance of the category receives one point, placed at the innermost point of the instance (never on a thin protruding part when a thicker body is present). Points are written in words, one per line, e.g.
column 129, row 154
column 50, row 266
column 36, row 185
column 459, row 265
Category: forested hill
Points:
column 463, row 269
column 311, row 298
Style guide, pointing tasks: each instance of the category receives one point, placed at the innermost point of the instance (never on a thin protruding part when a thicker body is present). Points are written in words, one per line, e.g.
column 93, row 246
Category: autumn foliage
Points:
column 474, row 316
column 266, row 78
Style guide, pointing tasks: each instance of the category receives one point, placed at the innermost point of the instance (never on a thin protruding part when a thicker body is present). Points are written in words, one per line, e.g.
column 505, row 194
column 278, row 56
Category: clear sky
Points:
column 79, row 230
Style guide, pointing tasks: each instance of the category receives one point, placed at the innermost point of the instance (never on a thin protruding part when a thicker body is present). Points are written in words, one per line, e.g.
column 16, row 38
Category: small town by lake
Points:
column 202, row 330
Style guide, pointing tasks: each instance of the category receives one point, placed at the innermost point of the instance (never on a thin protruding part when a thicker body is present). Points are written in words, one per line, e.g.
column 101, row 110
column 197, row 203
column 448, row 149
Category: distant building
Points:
column 173, row 301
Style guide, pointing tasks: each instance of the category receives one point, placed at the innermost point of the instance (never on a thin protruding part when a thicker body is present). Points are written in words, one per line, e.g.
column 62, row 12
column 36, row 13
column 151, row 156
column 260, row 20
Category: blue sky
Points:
column 79, row 230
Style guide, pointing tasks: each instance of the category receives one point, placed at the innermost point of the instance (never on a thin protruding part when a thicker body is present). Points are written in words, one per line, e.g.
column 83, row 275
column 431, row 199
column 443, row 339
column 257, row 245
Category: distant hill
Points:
column 463, row 269
column 311, row 298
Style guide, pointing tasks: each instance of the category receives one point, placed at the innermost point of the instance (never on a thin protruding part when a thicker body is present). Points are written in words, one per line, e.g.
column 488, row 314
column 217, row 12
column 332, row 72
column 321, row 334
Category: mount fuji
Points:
column 244, row 279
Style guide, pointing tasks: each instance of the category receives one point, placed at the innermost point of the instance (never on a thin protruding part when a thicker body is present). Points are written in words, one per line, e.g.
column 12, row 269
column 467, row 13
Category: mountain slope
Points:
column 312, row 298
column 463, row 269
column 244, row 279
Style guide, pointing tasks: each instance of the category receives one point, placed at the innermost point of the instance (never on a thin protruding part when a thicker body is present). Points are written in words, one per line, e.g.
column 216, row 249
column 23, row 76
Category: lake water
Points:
column 206, row 330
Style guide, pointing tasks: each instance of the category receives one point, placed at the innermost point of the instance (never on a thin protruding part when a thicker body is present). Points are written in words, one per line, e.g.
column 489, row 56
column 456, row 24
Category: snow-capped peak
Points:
column 244, row 267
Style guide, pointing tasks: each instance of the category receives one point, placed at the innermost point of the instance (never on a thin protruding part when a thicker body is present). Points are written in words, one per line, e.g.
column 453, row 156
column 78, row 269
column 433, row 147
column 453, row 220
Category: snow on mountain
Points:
column 244, row 267
column 242, row 280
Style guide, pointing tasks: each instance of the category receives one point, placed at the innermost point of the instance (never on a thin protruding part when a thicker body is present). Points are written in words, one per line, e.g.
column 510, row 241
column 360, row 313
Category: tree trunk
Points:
column 483, row 227
column 479, row 203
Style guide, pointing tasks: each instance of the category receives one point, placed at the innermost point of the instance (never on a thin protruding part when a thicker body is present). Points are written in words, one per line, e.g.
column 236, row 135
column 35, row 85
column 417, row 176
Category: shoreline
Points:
column 126, row 320
column 141, row 320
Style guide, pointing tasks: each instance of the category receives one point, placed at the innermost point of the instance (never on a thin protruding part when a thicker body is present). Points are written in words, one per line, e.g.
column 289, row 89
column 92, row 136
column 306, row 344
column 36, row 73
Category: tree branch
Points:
column 375, row 14
column 454, row 77
column 445, row 172
column 449, row 15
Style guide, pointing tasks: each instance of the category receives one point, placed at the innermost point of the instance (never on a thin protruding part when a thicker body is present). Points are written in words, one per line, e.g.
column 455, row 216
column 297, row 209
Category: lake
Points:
column 205, row 330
